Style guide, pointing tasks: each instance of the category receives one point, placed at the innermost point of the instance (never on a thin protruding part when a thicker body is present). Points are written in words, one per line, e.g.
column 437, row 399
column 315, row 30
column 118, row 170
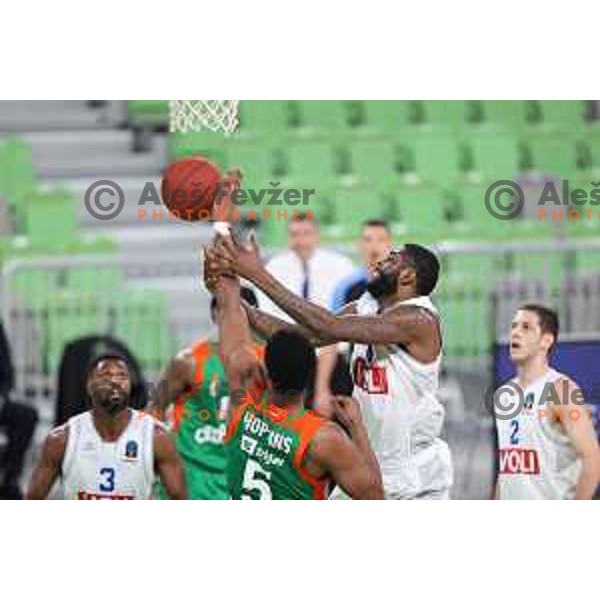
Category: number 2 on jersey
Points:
column 251, row 482
column 107, row 481
column 514, row 438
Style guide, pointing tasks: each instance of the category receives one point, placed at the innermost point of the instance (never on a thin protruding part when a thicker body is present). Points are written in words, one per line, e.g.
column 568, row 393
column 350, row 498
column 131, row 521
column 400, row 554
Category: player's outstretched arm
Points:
column 243, row 368
column 579, row 427
column 350, row 467
column 267, row 325
column 400, row 325
column 168, row 465
column 49, row 465
column 173, row 381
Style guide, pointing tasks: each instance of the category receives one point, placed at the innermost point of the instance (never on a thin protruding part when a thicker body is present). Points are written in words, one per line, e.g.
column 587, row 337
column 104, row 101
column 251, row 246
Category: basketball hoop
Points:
column 198, row 115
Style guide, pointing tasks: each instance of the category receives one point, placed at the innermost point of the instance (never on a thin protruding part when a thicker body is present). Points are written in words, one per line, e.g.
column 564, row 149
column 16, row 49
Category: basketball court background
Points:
column 422, row 165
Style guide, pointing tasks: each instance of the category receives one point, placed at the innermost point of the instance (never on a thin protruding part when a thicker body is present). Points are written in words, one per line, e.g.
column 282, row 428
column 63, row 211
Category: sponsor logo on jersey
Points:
column 88, row 446
column 372, row 379
column 248, row 445
column 81, row 495
column 131, row 450
column 207, row 434
column 515, row 461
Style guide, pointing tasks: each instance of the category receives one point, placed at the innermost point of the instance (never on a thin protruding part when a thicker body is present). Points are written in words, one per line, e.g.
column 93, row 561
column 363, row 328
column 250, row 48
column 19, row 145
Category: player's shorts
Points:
column 202, row 484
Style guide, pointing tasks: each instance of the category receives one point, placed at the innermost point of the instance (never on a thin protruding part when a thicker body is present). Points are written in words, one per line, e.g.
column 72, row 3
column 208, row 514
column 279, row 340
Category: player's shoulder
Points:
column 56, row 440
column 327, row 436
column 562, row 382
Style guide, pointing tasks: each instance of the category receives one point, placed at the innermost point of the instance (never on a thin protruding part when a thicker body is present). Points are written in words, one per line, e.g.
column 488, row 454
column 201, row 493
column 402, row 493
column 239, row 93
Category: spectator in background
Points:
column 334, row 373
column 18, row 421
column 306, row 269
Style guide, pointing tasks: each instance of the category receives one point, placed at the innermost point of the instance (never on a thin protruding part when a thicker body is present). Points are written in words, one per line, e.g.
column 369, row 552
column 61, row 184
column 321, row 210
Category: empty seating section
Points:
column 433, row 151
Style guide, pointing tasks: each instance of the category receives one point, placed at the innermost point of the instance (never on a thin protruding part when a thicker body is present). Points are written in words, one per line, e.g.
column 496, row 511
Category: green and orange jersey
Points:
column 266, row 450
column 199, row 419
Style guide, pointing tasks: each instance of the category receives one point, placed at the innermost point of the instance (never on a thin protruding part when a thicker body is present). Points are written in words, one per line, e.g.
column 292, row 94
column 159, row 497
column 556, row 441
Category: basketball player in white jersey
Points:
column 110, row 452
column 396, row 357
column 549, row 450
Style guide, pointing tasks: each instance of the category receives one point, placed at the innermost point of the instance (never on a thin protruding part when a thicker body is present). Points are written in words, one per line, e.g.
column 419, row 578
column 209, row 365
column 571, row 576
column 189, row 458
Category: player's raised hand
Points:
column 241, row 258
column 213, row 268
column 347, row 411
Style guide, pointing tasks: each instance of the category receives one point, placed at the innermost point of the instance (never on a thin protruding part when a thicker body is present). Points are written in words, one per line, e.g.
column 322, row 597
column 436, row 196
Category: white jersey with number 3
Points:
column 93, row 469
column 404, row 418
column 536, row 458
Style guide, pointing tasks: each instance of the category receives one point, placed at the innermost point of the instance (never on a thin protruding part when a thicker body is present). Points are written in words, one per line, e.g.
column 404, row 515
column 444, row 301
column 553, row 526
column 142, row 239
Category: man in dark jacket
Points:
column 17, row 421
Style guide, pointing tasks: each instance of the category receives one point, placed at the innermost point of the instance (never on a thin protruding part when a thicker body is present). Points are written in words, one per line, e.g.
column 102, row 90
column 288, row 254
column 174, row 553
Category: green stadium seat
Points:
column 494, row 155
column 591, row 144
column 547, row 267
column 350, row 207
column 589, row 222
column 100, row 279
column 389, row 117
column 202, row 143
column 422, row 212
column 256, row 160
column 324, row 117
column 149, row 112
column 17, row 177
column 437, row 159
column 376, row 163
column 563, row 115
column 266, row 118
column 142, row 322
column 554, row 154
column 50, row 219
column 446, row 114
column 68, row 316
column 505, row 114
column 314, row 164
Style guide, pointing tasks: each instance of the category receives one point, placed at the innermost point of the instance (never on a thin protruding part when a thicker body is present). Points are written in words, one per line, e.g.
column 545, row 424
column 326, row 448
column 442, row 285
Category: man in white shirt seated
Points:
column 306, row 269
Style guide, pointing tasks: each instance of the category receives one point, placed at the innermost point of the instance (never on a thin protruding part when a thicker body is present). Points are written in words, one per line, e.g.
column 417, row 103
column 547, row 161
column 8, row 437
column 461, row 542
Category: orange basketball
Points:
column 189, row 188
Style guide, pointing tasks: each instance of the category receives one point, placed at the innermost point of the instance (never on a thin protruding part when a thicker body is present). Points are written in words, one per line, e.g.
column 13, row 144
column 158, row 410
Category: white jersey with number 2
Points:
column 536, row 459
column 93, row 469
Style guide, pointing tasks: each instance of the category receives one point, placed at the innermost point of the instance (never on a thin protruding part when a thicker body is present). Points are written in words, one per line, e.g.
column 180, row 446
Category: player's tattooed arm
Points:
column 400, row 325
column 578, row 425
column 347, row 411
column 48, row 468
column 175, row 379
column 168, row 465
column 243, row 368
column 266, row 325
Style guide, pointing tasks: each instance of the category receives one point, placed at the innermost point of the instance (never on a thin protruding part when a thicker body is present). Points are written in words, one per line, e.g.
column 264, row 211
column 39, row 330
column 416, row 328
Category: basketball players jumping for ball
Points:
column 396, row 357
column 195, row 384
column 550, row 449
column 110, row 452
column 276, row 448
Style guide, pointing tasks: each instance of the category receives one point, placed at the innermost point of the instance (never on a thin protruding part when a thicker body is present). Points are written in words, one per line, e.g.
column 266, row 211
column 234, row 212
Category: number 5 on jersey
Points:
column 256, row 478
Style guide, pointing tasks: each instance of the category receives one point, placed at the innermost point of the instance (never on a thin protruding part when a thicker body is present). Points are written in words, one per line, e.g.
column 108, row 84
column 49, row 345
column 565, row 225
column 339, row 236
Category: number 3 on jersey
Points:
column 107, row 479
column 256, row 478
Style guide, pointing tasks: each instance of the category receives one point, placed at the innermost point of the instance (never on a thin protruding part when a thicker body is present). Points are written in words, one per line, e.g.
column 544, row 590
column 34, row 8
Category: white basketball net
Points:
column 197, row 115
